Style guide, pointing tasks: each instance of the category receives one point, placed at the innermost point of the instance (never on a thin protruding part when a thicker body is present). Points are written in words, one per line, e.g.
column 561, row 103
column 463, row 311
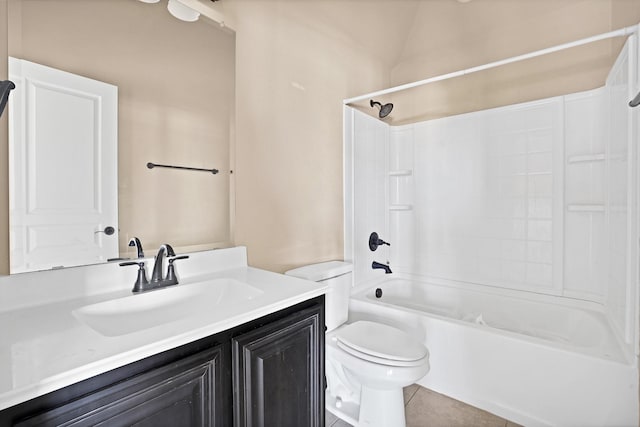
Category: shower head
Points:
column 384, row 109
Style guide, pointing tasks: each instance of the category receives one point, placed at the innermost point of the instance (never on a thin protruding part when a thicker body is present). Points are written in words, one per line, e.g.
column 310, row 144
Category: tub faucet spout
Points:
column 385, row 267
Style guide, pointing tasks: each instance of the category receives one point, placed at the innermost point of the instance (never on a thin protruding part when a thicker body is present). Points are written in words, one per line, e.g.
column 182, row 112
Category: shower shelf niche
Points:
column 403, row 172
column 401, row 207
column 583, row 158
column 592, row 207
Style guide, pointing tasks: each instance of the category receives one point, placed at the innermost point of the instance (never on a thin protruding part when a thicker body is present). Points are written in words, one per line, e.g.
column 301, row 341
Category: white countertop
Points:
column 43, row 347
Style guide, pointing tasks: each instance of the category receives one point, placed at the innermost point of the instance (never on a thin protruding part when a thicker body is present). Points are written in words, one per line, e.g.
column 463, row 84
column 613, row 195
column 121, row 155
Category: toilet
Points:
column 367, row 363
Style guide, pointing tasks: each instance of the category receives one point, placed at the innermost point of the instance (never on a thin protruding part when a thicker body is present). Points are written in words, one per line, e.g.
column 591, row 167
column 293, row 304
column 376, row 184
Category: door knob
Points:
column 108, row 230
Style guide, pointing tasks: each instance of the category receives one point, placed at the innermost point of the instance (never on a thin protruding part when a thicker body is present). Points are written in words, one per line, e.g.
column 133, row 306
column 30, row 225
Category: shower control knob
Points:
column 375, row 241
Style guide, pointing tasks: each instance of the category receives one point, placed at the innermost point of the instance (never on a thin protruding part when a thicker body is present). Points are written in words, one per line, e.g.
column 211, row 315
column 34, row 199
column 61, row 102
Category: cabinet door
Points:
column 184, row 393
column 278, row 372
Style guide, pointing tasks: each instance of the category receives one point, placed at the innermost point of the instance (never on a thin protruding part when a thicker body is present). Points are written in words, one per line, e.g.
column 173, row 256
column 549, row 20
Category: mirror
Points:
column 176, row 90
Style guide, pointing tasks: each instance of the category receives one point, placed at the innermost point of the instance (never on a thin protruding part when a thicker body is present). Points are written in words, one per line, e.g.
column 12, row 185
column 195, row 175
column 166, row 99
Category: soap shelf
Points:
column 401, row 207
column 583, row 158
column 404, row 172
column 594, row 207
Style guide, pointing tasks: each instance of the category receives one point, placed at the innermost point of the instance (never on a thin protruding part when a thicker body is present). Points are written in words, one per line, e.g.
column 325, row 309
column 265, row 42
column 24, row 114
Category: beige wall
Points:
column 176, row 104
column 293, row 70
column 493, row 30
column 625, row 13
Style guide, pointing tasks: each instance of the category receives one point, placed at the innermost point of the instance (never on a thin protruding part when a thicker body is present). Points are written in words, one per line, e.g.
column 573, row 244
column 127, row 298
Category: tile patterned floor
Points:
column 426, row 408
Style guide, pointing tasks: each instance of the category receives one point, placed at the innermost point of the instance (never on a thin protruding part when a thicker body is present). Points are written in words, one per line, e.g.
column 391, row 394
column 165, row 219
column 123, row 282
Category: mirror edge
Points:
column 4, row 146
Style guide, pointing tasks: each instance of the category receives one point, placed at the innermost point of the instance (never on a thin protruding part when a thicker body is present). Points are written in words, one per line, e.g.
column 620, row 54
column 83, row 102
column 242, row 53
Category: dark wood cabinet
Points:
column 178, row 394
column 277, row 365
column 268, row 372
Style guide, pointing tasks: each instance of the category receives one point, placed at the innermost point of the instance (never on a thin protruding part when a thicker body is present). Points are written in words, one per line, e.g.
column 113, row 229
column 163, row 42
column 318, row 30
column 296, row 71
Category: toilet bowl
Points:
column 377, row 361
column 367, row 363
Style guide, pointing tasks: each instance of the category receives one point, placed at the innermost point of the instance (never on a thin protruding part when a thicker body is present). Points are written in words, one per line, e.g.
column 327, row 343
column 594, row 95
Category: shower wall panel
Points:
column 621, row 274
column 370, row 145
column 483, row 208
column 536, row 197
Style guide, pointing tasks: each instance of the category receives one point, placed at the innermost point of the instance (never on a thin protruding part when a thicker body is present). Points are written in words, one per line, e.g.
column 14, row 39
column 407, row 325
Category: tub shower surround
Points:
column 516, row 231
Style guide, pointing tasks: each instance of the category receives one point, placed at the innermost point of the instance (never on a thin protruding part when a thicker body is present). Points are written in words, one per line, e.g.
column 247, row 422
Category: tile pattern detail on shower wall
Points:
column 483, row 208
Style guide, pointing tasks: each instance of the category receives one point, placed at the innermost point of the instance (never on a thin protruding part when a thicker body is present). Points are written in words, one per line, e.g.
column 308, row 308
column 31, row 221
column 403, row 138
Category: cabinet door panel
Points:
column 184, row 393
column 278, row 372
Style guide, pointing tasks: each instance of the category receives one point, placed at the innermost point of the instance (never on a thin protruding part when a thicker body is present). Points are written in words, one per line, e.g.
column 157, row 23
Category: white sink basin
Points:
column 137, row 312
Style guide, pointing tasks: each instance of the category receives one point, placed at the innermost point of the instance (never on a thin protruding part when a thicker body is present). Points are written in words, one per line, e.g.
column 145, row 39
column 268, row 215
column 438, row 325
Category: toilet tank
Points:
column 336, row 275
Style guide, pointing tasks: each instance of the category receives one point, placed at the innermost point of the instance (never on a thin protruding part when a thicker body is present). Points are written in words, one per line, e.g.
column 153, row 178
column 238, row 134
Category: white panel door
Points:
column 63, row 168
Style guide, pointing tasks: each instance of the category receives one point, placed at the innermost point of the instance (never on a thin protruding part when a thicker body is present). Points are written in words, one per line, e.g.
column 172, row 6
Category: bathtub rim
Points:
column 559, row 300
column 626, row 354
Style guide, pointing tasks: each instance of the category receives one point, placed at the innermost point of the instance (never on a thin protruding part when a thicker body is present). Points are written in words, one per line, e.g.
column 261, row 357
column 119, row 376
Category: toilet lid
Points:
column 381, row 343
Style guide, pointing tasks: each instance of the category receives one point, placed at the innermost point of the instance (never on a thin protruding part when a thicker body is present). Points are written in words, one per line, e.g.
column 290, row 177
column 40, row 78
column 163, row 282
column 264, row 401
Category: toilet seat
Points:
column 379, row 343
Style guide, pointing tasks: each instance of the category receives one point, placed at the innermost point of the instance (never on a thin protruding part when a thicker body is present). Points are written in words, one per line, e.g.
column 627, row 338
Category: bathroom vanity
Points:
column 248, row 361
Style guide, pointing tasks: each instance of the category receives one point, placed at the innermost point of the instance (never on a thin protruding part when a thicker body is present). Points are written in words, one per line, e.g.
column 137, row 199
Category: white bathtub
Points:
column 535, row 363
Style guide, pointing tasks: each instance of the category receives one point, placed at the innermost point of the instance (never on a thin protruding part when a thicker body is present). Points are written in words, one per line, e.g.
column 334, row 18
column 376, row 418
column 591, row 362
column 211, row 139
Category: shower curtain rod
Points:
column 617, row 33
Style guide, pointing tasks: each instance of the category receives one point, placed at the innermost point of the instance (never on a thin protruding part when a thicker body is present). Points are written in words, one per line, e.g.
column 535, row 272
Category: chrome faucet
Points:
column 157, row 277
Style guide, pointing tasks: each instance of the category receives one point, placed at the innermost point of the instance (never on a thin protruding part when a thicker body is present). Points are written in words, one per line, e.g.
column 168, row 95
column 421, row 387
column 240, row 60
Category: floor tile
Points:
column 329, row 419
column 409, row 392
column 428, row 408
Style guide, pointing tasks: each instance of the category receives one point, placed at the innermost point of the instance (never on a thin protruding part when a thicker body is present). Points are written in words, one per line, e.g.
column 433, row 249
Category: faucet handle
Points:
column 141, row 280
column 375, row 241
column 171, row 272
